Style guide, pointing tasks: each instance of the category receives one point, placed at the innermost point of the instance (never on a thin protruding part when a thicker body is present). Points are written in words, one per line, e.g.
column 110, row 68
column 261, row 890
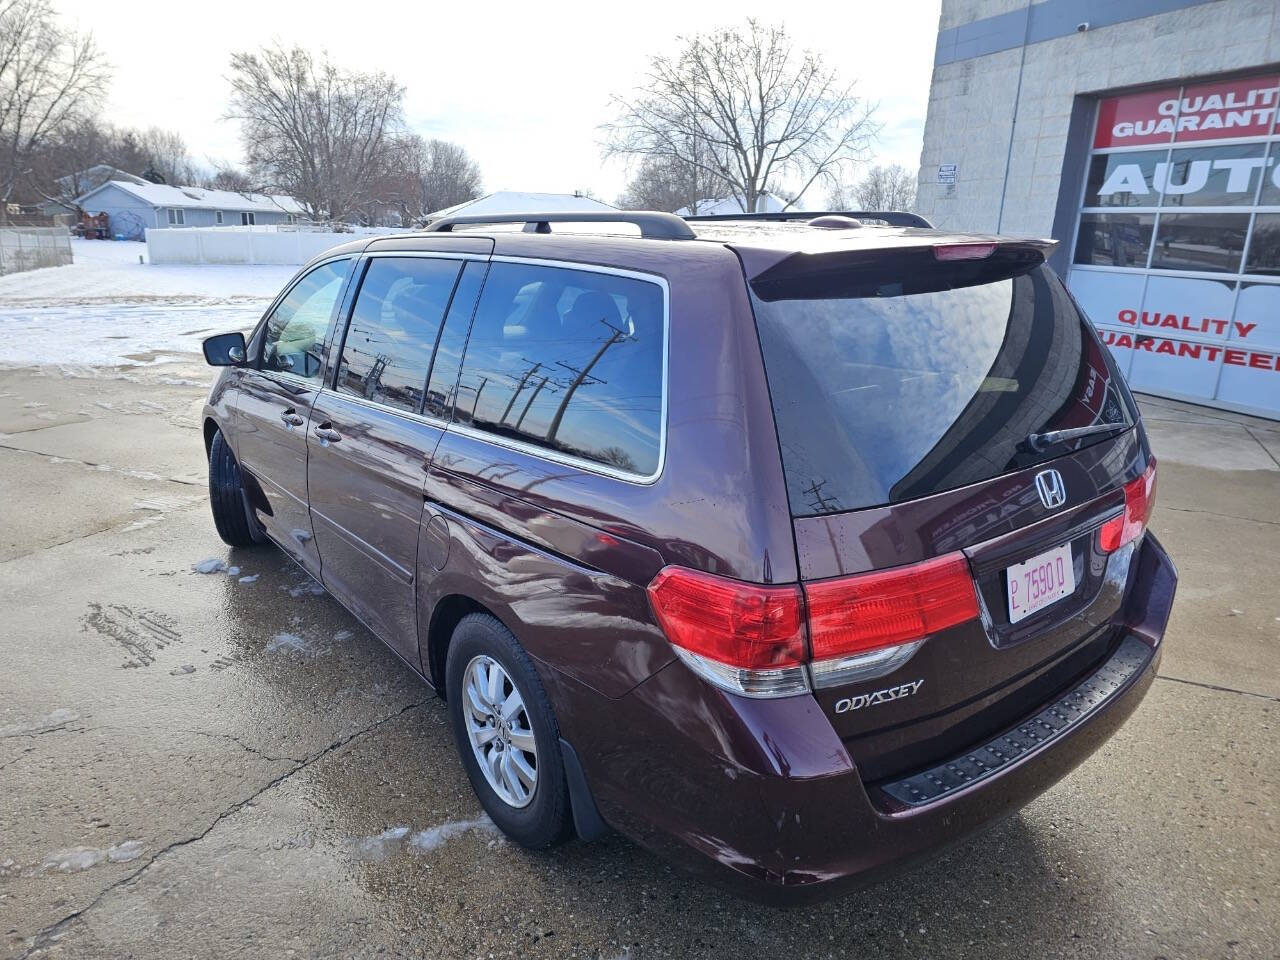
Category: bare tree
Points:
column 312, row 129
column 226, row 177
column 167, row 156
column 670, row 183
column 748, row 108
column 424, row 176
column 50, row 77
column 883, row 188
column 85, row 154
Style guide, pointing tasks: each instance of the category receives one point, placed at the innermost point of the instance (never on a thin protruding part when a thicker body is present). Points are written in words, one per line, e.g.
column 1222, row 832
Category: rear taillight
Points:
column 751, row 639
column 1139, row 501
column 741, row 636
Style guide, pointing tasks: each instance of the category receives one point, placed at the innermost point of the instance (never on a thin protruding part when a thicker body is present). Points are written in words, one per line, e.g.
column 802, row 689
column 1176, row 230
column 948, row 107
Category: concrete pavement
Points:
column 228, row 765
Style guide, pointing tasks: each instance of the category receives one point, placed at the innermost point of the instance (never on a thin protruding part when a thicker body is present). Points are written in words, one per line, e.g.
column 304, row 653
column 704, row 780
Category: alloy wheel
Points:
column 498, row 727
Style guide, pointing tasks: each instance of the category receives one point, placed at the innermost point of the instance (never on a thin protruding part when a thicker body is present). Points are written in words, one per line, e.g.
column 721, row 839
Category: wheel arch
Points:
column 445, row 617
column 210, row 428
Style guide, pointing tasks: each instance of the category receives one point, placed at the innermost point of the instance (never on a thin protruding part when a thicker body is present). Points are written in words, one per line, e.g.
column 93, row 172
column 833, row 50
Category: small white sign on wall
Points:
column 947, row 172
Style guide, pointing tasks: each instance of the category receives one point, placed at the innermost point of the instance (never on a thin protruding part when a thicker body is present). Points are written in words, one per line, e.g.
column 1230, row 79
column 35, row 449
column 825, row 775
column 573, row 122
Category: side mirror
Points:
column 225, row 350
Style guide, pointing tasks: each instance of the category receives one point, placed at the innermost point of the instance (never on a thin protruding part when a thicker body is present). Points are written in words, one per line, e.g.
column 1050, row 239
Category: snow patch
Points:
column 433, row 838
column 292, row 643
column 124, row 852
column 310, row 588
column 211, row 565
column 251, row 578
column 380, row 846
column 75, row 859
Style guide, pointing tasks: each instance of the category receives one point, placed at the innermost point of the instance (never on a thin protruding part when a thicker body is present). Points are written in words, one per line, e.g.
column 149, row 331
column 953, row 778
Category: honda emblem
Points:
column 1053, row 492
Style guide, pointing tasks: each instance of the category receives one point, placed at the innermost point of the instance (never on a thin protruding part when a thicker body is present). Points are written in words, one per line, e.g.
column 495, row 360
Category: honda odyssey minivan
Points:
column 790, row 546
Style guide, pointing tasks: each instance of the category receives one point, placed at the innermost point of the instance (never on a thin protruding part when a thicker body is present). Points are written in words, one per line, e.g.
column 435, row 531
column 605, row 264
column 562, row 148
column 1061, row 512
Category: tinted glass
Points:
column 1264, row 245
column 1123, row 180
column 1200, row 241
column 393, row 329
column 569, row 360
column 294, row 336
column 882, row 393
column 1270, row 194
column 453, row 340
column 1115, row 239
column 1213, row 176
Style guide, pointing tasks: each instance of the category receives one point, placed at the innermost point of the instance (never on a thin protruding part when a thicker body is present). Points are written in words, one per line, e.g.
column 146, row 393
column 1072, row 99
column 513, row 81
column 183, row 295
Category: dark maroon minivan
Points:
column 790, row 548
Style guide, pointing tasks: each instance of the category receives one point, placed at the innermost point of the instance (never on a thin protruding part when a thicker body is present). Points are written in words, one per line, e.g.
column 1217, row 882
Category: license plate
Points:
column 1044, row 579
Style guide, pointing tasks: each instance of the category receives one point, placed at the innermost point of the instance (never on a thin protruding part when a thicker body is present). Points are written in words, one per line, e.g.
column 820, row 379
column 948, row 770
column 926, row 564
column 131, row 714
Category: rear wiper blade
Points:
column 1039, row 441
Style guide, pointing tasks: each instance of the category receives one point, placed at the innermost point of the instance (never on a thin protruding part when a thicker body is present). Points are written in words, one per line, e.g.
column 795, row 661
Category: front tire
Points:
column 507, row 734
column 232, row 515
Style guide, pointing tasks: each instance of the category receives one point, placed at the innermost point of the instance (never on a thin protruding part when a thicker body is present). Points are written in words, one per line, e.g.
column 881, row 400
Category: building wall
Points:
column 130, row 217
column 994, row 107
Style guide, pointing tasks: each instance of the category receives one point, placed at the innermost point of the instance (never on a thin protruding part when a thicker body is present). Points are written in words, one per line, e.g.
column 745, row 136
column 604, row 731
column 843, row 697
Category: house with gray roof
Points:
column 134, row 207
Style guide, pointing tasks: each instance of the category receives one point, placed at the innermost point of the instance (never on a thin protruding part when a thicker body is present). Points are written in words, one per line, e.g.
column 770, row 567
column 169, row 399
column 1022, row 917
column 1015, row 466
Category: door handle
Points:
column 326, row 432
column 291, row 418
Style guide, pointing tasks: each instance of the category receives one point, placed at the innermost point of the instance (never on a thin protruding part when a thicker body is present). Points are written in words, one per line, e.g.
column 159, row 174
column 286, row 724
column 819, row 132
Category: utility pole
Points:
column 520, row 386
column 532, row 397
column 479, row 390
column 818, row 500
column 583, row 376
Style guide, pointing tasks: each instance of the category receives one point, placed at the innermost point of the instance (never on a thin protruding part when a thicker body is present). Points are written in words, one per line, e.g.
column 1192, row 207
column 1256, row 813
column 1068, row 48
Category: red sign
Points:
column 1206, row 111
column 1236, row 357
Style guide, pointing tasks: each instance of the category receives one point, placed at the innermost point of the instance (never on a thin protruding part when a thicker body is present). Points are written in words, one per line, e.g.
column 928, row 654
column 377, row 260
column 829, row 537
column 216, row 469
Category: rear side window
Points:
column 568, row 360
column 899, row 379
column 392, row 334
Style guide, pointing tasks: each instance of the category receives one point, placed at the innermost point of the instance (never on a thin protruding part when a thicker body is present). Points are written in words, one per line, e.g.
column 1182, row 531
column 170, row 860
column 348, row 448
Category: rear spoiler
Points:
column 899, row 269
column 894, row 218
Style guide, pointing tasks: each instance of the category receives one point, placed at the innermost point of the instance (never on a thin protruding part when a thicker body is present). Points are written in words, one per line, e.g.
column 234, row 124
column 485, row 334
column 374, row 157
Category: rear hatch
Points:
column 920, row 392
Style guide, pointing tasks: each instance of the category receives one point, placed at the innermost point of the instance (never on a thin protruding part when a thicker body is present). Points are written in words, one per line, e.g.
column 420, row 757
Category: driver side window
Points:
column 293, row 340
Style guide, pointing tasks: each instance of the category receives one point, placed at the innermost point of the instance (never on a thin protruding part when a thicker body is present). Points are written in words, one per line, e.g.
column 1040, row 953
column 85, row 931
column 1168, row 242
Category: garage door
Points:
column 1177, row 250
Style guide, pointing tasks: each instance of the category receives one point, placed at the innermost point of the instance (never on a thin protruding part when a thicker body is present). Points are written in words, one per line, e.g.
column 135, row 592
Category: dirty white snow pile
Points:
column 107, row 271
column 106, row 309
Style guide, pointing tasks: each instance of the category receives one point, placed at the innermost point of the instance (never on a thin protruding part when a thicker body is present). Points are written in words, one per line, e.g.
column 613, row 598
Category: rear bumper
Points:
column 762, row 797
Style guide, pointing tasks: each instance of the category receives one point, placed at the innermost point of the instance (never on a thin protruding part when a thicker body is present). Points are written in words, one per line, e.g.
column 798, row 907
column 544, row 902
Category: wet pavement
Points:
column 226, row 764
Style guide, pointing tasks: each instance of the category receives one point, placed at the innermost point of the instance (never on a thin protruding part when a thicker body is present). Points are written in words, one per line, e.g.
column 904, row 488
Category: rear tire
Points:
column 237, row 526
column 538, row 817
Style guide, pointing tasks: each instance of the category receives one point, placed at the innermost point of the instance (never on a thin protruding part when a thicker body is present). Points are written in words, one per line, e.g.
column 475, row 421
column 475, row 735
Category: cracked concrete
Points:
column 251, row 777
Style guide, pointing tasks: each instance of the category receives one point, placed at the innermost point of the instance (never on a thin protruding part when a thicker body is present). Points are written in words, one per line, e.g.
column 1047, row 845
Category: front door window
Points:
column 293, row 341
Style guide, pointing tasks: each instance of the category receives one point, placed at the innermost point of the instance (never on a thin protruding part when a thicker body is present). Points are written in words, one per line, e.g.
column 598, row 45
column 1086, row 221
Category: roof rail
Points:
column 653, row 225
column 895, row 218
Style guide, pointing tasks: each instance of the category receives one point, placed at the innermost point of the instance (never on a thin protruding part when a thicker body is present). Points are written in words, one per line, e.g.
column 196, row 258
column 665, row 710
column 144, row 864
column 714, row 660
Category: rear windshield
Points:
column 891, row 383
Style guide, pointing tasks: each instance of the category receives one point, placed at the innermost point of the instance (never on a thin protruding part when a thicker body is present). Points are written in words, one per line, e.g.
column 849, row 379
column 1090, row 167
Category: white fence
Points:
column 29, row 248
column 255, row 245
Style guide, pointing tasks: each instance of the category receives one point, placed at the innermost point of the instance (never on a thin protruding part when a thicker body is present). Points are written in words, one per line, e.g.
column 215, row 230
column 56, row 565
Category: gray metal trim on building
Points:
column 1037, row 22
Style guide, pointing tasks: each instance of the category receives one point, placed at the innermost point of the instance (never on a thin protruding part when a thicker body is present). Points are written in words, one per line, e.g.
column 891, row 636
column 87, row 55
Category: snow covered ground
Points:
column 109, row 309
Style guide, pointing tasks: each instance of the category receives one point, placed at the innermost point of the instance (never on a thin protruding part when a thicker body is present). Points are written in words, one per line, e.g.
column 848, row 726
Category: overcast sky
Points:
column 523, row 87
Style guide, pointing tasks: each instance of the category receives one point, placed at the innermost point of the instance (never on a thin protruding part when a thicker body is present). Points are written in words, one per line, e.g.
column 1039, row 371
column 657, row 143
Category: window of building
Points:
column 1213, row 176
column 217, row 217
column 1264, row 245
column 1200, row 241
column 1114, row 239
column 247, row 219
column 294, row 336
column 177, row 216
column 1123, row 179
column 290, row 218
column 386, row 355
column 570, row 361
column 1195, row 172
